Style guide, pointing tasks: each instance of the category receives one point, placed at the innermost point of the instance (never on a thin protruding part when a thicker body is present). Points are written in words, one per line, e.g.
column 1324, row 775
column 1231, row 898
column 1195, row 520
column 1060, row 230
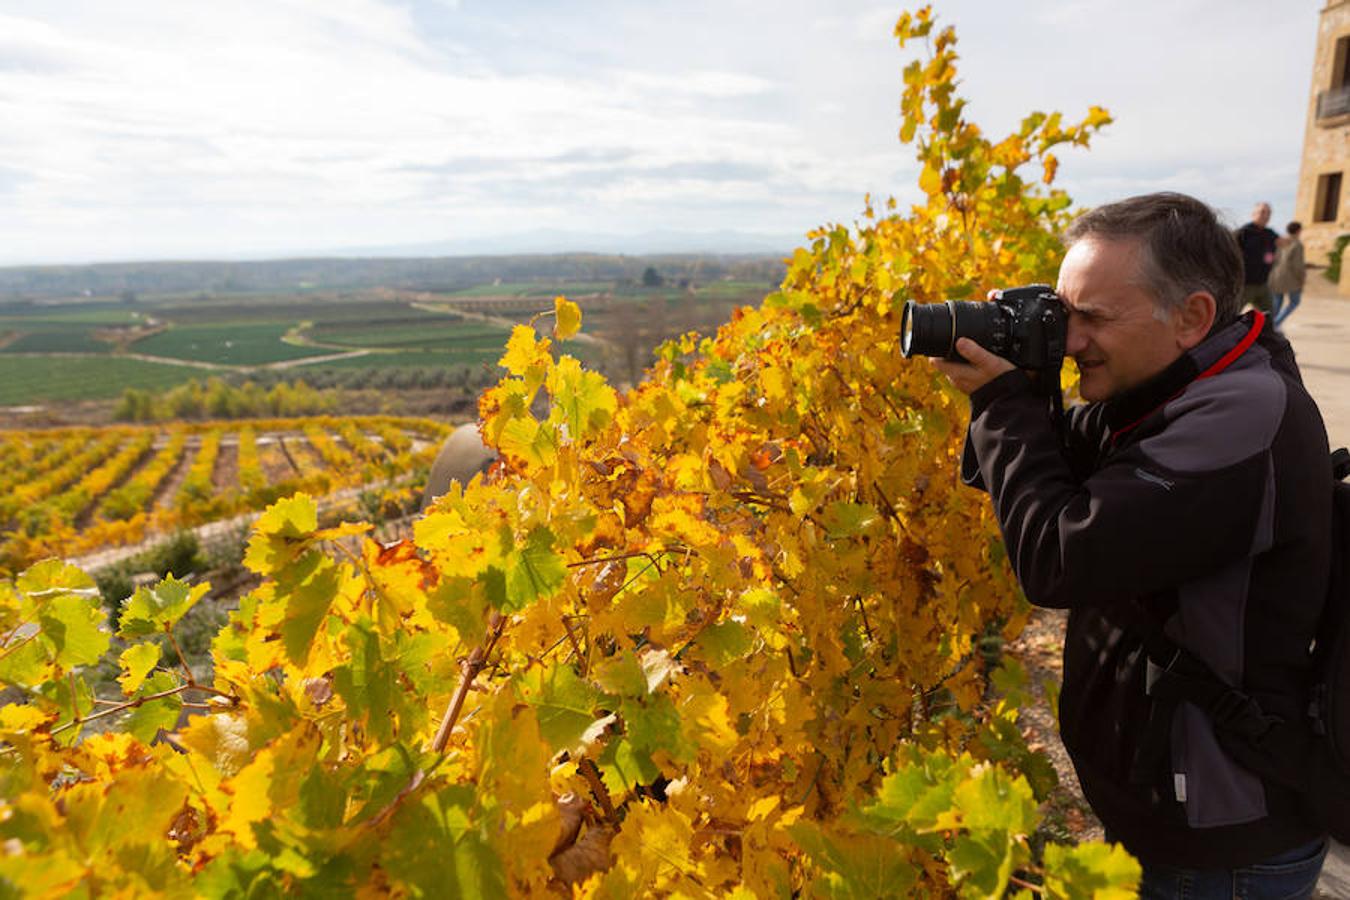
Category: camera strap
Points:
column 1048, row 382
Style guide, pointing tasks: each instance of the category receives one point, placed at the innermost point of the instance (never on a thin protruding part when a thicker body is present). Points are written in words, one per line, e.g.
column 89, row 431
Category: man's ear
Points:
column 1193, row 318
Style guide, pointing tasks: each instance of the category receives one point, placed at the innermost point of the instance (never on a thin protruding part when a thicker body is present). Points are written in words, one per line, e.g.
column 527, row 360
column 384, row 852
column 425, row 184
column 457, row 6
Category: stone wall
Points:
column 1326, row 143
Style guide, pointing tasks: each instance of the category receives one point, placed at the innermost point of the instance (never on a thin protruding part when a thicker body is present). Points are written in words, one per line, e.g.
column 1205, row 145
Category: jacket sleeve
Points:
column 1083, row 430
column 1149, row 517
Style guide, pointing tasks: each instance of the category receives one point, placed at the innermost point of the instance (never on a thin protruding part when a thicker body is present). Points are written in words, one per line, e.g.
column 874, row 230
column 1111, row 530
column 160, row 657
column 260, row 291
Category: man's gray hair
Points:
column 1184, row 248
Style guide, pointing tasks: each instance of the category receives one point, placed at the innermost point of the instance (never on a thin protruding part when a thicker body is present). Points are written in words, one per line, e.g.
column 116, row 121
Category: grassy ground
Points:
column 65, row 339
column 36, row 379
column 433, row 332
column 62, row 329
column 235, row 343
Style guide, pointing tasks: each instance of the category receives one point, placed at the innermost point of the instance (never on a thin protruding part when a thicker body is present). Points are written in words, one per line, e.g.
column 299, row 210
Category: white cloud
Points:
column 152, row 128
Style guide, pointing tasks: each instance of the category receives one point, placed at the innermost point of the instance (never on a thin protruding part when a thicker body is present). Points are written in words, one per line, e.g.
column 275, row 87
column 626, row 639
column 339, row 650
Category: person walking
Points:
column 1258, row 244
column 1287, row 276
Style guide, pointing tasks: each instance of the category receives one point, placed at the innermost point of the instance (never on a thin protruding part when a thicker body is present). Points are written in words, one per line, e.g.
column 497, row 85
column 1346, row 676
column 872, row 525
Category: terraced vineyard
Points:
column 68, row 491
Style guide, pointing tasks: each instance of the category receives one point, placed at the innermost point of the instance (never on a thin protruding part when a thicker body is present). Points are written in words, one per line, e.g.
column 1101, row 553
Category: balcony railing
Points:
column 1333, row 103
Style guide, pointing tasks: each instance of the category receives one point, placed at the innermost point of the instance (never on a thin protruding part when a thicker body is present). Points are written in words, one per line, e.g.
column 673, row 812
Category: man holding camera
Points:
column 1186, row 503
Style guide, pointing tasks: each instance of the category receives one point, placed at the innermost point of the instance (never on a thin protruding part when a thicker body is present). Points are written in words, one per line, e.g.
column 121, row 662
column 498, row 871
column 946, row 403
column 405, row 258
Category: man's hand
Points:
column 980, row 368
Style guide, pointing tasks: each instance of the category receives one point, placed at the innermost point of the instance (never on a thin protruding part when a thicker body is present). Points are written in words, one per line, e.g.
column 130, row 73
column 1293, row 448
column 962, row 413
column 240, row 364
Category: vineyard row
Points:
column 66, row 492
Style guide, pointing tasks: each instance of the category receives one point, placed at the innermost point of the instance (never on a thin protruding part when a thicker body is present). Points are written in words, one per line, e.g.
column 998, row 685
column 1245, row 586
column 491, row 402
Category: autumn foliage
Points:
column 716, row 636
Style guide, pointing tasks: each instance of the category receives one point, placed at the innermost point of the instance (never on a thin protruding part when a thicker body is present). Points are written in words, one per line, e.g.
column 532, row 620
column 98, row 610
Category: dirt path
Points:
column 167, row 360
column 211, row 532
column 311, row 360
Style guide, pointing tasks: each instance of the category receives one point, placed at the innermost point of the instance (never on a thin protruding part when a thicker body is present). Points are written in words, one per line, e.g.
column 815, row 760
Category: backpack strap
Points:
column 1267, row 745
column 1174, row 676
column 1340, row 463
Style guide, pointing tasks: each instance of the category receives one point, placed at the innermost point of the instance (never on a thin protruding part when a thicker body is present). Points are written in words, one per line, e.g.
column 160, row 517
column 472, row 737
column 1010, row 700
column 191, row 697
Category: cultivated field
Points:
column 84, row 362
column 66, row 491
column 91, row 349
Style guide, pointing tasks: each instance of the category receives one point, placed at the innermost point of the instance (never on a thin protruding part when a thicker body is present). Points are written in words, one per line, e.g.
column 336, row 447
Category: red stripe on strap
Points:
column 1258, row 322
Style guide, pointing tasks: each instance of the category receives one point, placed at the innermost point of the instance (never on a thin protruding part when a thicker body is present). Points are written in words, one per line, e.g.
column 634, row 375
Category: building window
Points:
column 1340, row 67
column 1328, row 198
column 1334, row 102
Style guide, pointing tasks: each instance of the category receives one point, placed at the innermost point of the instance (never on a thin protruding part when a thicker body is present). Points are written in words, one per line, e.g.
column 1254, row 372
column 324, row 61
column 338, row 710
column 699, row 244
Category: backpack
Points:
column 1311, row 757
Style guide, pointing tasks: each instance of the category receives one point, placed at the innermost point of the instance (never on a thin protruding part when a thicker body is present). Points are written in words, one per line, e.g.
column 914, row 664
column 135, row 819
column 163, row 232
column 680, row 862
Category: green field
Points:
column 237, row 344
column 66, row 314
column 411, row 347
column 432, row 333
column 62, row 340
column 31, row 379
column 62, row 329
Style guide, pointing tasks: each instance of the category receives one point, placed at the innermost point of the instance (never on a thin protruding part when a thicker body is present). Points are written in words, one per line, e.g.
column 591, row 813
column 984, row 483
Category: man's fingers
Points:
column 976, row 355
column 989, row 365
column 978, row 368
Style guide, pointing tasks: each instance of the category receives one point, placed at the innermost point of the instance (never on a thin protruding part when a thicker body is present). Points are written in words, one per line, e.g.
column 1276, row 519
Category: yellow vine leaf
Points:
column 566, row 318
column 137, row 661
column 221, row 739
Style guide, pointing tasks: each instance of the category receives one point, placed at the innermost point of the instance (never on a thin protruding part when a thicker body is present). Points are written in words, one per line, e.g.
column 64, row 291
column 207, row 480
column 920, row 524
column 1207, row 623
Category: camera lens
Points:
column 926, row 329
column 931, row 329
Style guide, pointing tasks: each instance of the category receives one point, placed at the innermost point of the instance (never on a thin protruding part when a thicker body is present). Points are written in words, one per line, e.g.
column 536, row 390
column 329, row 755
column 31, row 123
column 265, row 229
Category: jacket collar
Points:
column 1214, row 354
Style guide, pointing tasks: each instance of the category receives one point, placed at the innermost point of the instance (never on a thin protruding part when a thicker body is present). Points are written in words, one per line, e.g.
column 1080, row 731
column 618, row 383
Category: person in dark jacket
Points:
column 1189, row 496
column 1258, row 243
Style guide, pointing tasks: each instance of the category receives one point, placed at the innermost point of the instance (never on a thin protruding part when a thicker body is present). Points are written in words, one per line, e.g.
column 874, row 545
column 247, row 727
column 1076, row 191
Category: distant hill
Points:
column 430, row 273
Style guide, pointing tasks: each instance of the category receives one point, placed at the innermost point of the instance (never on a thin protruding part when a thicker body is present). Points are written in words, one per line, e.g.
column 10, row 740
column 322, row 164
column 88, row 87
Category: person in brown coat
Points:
column 1287, row 275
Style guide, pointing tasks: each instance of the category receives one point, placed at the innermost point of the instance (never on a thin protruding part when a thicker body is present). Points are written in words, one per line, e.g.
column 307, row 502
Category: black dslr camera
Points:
column 1026, row 326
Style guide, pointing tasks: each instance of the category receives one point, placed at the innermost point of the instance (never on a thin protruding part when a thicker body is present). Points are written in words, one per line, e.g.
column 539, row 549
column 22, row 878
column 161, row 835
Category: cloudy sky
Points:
column 170, row 129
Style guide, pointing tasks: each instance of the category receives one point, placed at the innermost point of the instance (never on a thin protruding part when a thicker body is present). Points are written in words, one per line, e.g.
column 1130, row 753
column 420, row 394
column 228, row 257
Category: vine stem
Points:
column 604, row 559
column 474, row 665
column 187, row 670
column 476, row 662
column 132, row 704
column 10, row 648
column 576, row 647
column 597, row 785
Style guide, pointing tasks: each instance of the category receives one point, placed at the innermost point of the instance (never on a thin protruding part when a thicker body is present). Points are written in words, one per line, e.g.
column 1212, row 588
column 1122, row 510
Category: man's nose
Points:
column 1075, row 341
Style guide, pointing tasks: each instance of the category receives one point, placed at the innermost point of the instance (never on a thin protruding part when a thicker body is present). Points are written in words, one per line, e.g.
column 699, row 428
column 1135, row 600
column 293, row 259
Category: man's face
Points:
column 1261, row 214
column 1114, row 336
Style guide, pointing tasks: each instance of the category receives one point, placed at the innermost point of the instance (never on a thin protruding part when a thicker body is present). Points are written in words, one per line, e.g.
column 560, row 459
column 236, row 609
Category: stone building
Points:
column 1322, row 205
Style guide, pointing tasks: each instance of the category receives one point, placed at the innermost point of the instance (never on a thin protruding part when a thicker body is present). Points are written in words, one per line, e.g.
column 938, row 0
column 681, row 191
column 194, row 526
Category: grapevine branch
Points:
column 597, row 785
column 618, row 556
column 187, row 671
column 755, row 499
column 10, row 648
column 474, row 665
column 576, row 647
column 136, row 702
column 862, row 609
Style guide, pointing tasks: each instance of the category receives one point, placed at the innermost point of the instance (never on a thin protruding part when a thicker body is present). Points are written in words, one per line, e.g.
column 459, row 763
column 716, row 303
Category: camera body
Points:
column 1028, row 326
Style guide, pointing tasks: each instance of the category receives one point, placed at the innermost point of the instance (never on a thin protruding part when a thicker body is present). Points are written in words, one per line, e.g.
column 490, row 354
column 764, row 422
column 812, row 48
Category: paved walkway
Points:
column 1320, row 332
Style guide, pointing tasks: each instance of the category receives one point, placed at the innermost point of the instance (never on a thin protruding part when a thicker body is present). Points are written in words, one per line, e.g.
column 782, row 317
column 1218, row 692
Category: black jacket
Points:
column 1258, row 245
column 1198, row 503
